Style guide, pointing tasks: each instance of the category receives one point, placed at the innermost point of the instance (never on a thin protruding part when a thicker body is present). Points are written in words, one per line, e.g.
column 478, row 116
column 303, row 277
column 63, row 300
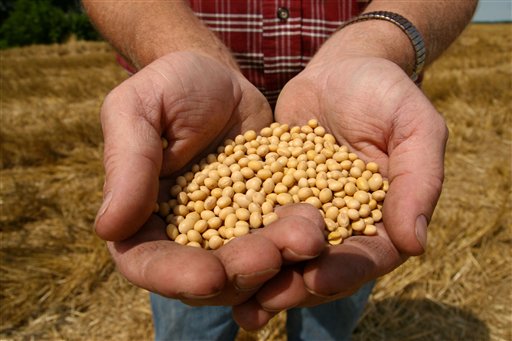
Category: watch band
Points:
column 407, row 27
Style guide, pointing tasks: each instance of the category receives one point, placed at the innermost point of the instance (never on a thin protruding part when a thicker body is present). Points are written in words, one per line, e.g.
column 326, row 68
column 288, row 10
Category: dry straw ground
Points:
column 56, row 278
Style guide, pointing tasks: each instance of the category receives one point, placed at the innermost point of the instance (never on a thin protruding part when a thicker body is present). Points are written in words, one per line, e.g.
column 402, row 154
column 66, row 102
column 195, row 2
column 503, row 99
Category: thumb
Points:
column 171, row 94
column 132, row 161
column 416, row 173
column 297, row 103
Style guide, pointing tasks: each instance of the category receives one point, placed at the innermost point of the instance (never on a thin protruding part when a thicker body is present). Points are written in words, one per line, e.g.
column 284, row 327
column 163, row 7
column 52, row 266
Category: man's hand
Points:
column 194, row 102
column 370, row 105
column 191, row 100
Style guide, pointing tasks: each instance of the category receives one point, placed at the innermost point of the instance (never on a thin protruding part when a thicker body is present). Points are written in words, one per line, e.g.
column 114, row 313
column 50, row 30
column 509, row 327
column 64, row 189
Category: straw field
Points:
column 58, row 282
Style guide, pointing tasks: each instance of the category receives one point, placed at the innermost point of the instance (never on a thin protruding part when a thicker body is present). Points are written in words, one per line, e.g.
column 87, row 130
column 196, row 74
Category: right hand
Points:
column 194, row 102
column 370, row 105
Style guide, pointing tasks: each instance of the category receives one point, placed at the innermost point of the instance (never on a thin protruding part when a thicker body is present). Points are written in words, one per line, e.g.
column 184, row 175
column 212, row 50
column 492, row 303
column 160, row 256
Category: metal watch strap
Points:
column 407, row 27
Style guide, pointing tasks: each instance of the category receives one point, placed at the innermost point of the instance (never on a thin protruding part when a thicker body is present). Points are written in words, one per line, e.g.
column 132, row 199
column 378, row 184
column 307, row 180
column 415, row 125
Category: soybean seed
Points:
column 226, row 194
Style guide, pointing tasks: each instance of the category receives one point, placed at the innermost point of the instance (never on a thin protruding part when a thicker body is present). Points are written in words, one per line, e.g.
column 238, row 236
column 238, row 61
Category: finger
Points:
column 132, row 160
column 340, row 270
column 416, row 157
column 151, row 261
column 297, row 102
column 286, row 290
column 254, row 111
column 254, row 259
column 298, row 233
column 249, row 261
column 251, row 316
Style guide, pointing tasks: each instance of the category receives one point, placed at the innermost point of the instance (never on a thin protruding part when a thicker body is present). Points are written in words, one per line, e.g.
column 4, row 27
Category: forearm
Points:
column 143, row 31
column 439, row 22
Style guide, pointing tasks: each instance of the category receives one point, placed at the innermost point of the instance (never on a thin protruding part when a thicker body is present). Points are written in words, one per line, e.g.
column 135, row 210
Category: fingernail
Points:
column 189, row 296
column 314, row 293
column 252, row 281
column 292, row 255
column 342, row 293
column 104, row 206
column 421, row 231
column 272, row 310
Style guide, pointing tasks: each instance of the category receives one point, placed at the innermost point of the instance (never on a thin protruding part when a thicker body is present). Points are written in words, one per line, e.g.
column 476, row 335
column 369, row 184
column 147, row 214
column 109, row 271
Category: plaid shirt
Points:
column 274, row 40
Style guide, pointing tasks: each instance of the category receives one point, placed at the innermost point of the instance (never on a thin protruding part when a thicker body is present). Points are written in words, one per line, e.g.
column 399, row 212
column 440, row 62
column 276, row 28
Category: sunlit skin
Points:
column 287, row 264
column 358, row 88
column 382, row 116
column 133, row 165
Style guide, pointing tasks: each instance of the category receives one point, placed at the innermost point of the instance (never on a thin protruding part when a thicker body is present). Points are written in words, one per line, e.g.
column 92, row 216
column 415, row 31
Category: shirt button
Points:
column 283, row 13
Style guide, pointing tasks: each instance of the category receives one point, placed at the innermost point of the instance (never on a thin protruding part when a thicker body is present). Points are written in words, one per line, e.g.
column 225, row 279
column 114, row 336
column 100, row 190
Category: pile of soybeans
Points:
column 227, row 194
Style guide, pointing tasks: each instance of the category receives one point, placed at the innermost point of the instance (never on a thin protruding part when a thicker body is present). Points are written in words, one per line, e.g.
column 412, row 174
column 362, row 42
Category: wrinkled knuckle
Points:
column 442, row 127
column 311, row 214
column 434, row 183
column 305, row 231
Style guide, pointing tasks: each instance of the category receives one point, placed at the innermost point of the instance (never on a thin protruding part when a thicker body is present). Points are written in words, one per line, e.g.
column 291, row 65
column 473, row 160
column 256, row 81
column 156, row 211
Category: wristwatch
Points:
column 407, row 27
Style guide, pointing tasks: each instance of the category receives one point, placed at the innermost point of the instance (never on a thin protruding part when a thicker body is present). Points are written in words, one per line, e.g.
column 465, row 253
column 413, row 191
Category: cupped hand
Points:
column 191, row 100
column 194, row 102
column 370, row 105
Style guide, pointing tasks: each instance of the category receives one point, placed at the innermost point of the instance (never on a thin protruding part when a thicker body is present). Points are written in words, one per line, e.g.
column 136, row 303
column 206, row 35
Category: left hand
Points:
column 370, row 105
column 194, row 101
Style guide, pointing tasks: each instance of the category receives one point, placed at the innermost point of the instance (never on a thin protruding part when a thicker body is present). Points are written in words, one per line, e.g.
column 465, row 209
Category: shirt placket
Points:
column 281, row 43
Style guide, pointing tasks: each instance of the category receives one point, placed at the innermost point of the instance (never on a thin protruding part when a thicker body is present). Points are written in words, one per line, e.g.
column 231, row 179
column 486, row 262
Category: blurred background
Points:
column 493, row 11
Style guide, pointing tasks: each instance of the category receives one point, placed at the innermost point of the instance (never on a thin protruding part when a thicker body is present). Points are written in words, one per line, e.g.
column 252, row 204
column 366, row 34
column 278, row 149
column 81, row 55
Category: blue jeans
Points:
column 336, row 320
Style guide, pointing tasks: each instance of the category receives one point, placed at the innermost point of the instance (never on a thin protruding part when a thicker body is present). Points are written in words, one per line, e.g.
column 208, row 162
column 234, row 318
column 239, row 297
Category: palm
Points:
column 194, row 102
column 358, row 106
column 371, row 106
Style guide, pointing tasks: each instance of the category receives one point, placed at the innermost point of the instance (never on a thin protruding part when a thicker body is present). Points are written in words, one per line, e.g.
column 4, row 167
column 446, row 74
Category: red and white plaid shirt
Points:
column 274, row 40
